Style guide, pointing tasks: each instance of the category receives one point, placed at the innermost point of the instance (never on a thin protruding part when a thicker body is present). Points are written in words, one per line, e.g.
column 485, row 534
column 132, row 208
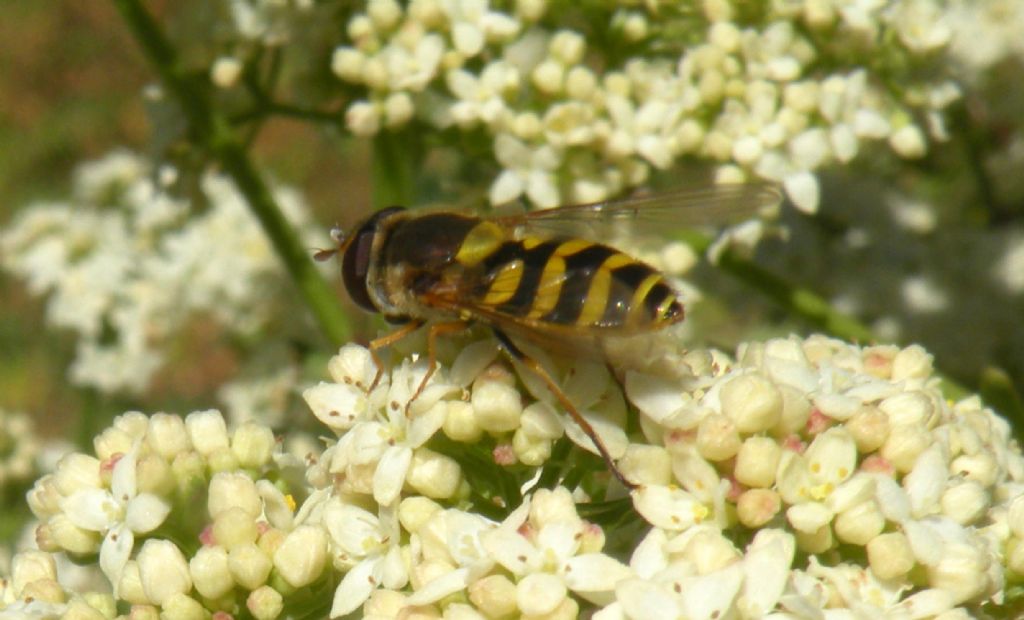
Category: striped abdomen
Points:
column 570, row 282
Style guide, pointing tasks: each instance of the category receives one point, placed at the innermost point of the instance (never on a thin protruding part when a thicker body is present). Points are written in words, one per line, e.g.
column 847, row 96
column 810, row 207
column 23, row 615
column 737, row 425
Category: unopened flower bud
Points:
column 756, row 507
column 233, row 527
column 144, row 612
column 228, row 490
column 433, row 474
column 207, row 431
column 718, row 438
column 301, row 557
column 163, row 570
column 904, row 444
column 76, row 471
column 962, row 571
column 869, row 428
column 860, row 524
column 253, row 444
column 965, row 502
column 553, row 506
column 180, row 606
column 210, row 572
column 129, row 588
column 818, row 541
column 460, row 423
column 756, row 462
column 225, row 71
column 494, row 593
column 647, row 464
column 710, row 551
column 249, row 565
column 548, row 76
column 890, row 555
column 980, row 467
column 167, row 435
column 753, row 402
column 265, row 603
column 29, row 566
column 414, row 511
column 530, row 450
column 497, row 406
column 69, row 537
column 538, row 594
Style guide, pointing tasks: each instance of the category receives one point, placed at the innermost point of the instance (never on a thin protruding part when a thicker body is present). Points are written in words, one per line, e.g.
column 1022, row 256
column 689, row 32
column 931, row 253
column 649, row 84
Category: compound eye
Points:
column 355, row 267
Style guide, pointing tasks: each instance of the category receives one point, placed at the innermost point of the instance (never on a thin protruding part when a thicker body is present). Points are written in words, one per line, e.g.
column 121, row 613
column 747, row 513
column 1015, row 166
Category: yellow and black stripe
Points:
column 572, row 282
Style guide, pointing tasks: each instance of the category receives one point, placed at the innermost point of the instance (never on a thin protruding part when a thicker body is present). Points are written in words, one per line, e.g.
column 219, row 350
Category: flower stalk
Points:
column 212, row 131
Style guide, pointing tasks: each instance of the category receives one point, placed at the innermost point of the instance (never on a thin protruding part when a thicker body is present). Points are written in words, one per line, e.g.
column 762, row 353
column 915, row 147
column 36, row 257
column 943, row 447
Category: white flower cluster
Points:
column 858, row 490
column 985, row 32
column 20, row 447
column 34, row 590
column 776, row 98
column 126, row 266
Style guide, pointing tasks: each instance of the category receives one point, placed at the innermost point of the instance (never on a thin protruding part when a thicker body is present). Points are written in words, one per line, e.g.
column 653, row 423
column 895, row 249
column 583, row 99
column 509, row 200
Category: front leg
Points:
column 436, row 329
column 388, row 340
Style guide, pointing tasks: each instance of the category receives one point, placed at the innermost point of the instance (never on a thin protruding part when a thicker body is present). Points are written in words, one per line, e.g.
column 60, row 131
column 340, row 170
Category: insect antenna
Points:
column 341, row 242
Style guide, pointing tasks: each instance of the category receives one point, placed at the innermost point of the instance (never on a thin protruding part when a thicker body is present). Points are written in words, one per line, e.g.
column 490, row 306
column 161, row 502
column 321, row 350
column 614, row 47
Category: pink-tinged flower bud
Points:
column 757, row 507
column 718, row 438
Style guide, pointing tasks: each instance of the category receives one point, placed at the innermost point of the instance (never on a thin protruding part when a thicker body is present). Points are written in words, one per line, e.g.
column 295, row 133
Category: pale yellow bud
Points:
column 29, row 566
column 154, row 475
column 163, row 570
column 965, row 502
column 182, row 607
column 718, row 438
column 890, row 555
column 819, row 541
column 144, row 612
column 47, row 590
column 229, row 490
column 167, row 435
column 433, row 474
column 753, row 402
column 414, row 511
column 301, row 557
column 869, row 428
column 207, row 431
column 796, row 409
column 233, row 527
column 530, row 450
column 249, row 565
column 860, row 524
column 904, row 444
column 710, row 551
column 756, row 462
column 647, row 464
column 210, row 572
column 130, row 587
column 265, row 603
column 914, row 362
column 253, row 444
column 756, row 507
column 460, row 422
column 497, row 406
column 69, row 537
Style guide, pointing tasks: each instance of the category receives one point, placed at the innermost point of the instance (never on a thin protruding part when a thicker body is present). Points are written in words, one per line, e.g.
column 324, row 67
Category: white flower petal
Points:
column 122, row 479
column 91, row 509
column 448, row 583
column 712, row 595
column 642, row 600
column 355, row 588
column 594, row 572
column 668, row 508
column 657, row 397
column 115, row 551
column 802, row 189
column 510, row 549
column 145, row 513
column 338, row 405
column 927, row 481
column 351, row 528
column 390, row 474
column 766, row 566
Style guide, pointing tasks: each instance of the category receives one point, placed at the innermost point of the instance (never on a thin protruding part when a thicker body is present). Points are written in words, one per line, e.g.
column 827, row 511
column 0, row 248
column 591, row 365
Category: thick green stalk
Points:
column 211, row 130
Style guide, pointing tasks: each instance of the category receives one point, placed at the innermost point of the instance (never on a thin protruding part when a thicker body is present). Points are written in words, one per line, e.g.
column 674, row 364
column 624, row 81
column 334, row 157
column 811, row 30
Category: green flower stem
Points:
column 800, row 302
column 210, row 129
column 396, row 157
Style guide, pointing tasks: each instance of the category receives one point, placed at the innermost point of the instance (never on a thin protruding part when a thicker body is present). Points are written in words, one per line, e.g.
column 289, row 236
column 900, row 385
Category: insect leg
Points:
column 580, row 421
column 388, row 340
column 436, row 329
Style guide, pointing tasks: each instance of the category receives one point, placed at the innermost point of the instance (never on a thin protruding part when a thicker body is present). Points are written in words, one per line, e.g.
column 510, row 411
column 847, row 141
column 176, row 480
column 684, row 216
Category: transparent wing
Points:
column 658, row 213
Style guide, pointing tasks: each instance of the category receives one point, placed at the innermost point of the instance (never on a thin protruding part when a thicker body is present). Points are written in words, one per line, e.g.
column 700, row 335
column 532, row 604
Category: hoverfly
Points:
column 540, row 276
